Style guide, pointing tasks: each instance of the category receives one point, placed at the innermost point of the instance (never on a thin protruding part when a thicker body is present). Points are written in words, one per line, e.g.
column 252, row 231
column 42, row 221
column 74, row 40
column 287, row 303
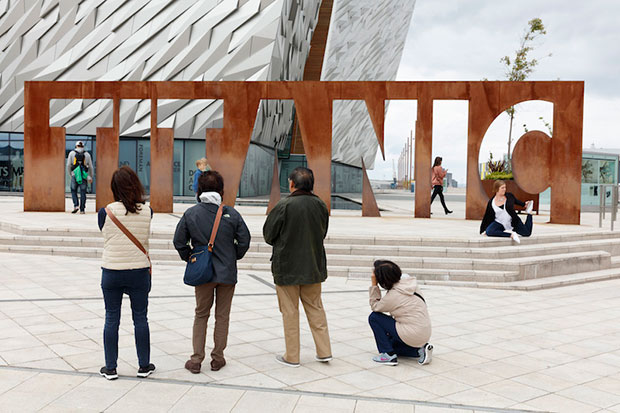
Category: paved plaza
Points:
column 495, row 350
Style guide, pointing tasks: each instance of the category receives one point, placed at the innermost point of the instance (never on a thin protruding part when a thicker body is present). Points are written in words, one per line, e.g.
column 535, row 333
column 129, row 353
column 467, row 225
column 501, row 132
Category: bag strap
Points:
column 128, row 234
column 420, row 297
column 216, row 225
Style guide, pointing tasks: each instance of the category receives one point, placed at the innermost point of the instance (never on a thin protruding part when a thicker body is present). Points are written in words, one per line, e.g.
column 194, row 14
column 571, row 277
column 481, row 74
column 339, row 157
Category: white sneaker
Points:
column 529, row 207
column 426, row 354
column 515, row 237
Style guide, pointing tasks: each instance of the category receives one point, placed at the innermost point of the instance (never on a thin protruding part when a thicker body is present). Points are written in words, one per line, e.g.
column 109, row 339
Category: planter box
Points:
column 512, row 187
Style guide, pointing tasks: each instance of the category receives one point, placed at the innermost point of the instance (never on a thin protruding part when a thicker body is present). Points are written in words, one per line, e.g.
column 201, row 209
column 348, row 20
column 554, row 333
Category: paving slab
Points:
column 495, row 350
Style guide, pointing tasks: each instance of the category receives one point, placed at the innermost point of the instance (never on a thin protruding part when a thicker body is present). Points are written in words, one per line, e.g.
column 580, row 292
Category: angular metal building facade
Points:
column 150, row 40
column 183, row 40
column 365, row 42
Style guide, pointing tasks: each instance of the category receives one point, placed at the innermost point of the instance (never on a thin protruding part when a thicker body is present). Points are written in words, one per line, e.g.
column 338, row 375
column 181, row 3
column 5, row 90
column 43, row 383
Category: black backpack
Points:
column 78, row 160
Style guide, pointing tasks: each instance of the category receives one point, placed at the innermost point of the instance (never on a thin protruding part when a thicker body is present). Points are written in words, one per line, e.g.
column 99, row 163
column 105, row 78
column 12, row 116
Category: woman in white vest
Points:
column 126, row 268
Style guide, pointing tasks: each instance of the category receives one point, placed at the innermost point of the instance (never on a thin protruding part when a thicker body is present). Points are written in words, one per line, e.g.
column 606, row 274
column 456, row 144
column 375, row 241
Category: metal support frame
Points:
column 538, row 161
column 603, row 204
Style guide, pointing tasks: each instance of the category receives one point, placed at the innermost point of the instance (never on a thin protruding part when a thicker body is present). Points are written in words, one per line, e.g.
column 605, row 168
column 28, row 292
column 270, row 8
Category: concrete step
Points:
column 474, row 241
column 427, row 268
column 612, row 246
column 536, row 284
column 526, row 267
column 615, row 262
column 421, row 273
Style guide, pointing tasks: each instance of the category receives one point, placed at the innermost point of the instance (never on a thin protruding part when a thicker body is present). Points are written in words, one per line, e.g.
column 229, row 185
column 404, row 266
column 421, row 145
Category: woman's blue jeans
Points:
column 384, row 328
column 137, row 284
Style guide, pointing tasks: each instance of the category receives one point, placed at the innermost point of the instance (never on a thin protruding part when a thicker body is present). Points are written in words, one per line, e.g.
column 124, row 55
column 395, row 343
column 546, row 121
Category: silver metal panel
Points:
column 152, row 40
column 366, row 41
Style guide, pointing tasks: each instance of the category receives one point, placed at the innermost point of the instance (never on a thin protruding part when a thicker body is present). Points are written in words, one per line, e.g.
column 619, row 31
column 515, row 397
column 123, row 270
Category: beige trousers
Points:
column 205, row 295
column 288, row 299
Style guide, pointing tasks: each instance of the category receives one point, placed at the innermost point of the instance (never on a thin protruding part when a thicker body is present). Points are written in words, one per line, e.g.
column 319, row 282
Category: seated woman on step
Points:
column 500, row 218
column 406, row 331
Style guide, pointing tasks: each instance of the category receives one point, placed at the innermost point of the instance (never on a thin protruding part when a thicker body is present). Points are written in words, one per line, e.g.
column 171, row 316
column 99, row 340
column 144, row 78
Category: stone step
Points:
column 536, row 284
column 527, row 267
column 615, row 262
column 345, row 265
column 524, row 267
column 475, row 241
column 421, row 273
column 611, row 246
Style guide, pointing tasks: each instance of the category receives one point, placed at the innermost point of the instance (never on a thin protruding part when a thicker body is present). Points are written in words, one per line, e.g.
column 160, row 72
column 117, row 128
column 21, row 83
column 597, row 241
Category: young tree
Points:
column 521, row 66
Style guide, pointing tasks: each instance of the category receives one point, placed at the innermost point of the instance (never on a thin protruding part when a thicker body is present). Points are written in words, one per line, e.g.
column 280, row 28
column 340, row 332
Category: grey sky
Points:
column 464, row 40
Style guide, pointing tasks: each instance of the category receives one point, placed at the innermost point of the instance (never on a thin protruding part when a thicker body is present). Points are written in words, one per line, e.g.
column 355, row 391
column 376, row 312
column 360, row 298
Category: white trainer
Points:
column 529, row 207
column 515, row 237
column 426, row 354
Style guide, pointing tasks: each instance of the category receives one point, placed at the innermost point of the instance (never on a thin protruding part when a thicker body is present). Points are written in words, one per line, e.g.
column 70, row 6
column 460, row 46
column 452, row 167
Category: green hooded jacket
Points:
column 296, row 228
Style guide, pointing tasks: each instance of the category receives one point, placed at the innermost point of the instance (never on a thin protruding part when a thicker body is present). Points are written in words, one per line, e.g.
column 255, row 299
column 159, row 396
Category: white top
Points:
column 502, row 216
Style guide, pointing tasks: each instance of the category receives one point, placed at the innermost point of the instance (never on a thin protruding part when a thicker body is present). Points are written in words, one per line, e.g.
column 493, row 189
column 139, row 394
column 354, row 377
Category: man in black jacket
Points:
column 231, row 243
column 296, row 228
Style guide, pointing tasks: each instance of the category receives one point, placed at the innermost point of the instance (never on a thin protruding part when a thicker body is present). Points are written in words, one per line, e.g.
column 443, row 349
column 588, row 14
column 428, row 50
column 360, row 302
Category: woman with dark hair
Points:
column 231, row 243
column 500, row 218
column 438, row 173
column 126, row 268
column 406, row 331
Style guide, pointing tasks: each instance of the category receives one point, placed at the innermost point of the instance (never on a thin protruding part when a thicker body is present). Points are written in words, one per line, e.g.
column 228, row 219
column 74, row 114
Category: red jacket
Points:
column 438, row 174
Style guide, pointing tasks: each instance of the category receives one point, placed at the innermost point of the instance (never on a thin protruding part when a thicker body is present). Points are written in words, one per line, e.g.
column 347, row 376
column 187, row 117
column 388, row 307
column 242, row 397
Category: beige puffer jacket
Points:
column 413, row 324
column 119, row 253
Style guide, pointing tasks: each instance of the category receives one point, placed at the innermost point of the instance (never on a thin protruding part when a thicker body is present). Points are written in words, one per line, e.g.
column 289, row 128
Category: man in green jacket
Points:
column 296, row 228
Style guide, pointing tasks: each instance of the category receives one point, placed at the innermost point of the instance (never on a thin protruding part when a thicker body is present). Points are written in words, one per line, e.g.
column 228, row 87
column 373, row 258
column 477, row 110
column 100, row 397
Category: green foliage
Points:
column 519, row 68
column 504, row 176
column 547, row 125
column 496, row 166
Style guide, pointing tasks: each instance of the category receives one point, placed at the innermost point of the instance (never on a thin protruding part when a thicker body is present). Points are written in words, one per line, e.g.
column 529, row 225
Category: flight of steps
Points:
column 541, row 261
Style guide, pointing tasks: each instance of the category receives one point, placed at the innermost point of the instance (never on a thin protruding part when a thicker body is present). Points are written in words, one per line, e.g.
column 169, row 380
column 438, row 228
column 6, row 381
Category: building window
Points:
column 194, row 150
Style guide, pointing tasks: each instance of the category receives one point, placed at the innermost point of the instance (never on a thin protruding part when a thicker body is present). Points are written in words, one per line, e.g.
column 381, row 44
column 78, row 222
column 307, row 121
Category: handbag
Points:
column 199, row 269
column 131, row 237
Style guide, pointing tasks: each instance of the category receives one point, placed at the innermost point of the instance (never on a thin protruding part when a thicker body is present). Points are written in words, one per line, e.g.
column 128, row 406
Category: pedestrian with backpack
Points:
column 80, row 168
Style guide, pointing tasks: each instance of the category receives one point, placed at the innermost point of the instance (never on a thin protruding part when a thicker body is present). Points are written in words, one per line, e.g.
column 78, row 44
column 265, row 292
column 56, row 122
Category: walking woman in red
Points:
column 437, row 181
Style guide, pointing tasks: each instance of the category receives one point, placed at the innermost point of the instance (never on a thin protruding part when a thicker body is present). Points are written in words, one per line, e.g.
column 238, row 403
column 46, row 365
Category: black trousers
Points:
column 438, row 190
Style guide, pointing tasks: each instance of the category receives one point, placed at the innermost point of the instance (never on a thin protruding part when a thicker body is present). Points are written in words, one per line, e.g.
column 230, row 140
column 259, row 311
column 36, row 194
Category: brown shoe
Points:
column 192, row 366
column 216, row 365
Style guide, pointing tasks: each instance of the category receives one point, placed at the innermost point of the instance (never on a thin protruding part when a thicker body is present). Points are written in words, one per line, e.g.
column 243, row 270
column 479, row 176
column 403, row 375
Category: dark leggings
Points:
column 384, row 328
column 495, row 229
column 438, row 190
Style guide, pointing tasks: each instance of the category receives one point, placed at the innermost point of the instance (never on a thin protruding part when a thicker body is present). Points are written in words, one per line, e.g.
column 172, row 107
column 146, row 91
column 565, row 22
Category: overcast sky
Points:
column 464, row 40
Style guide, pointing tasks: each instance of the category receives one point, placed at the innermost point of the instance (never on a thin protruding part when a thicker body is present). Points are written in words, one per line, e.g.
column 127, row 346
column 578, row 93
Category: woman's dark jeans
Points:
column 438, row 190
column 495, row 229
column 137, row 284
column 384, row 328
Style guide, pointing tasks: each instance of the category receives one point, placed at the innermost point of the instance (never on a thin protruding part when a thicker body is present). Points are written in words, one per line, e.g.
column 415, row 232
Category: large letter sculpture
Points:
column 539, row 161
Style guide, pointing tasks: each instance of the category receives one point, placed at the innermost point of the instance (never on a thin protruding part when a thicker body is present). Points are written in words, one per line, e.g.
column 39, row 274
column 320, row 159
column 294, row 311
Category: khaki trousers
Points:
column 205, row 295
column 288, row 299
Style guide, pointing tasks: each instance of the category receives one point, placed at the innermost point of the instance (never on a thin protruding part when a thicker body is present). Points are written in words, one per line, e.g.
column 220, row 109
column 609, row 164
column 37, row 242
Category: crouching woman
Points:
column 406, row 331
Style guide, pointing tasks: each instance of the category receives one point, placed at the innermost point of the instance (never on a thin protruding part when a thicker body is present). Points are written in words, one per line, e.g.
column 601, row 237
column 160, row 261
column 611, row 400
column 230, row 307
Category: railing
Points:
column 602, row 191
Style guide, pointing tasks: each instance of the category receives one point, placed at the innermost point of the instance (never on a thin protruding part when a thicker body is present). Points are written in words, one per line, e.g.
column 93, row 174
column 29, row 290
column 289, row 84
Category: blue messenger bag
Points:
column 199, row 269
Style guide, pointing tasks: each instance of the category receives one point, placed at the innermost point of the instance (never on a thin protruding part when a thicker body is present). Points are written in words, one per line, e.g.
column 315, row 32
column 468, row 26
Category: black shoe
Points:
column 75, row 210
column 109, row 374
column 146, row 371
column 448, row 211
